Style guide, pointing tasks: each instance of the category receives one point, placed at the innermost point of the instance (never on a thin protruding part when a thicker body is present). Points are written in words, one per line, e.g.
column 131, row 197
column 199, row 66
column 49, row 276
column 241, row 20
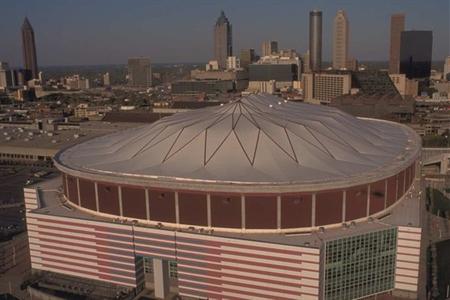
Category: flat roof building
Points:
column 315, row 40
column 269, row 48
column 415, row 53
column 397, row 26
column 139, row 72
column 324, row 87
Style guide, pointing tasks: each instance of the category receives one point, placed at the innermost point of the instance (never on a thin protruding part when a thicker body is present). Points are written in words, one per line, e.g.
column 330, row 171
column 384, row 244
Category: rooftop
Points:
column 256, row 139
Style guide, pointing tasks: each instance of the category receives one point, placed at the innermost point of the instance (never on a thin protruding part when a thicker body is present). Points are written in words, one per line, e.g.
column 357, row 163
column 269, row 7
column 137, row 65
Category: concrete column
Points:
column 368, row 200
column 177, row 209
column 344, row 205
column 404, row 183
column 119, row 191
column 161, row 278
column 67, row 186
column 278, row 212
column 78, row 189
column 208, row 209
column 396, row 188
column 147, row 204
column 96, row 196
column 243, row 211
column 385, row 192
column 313, row 211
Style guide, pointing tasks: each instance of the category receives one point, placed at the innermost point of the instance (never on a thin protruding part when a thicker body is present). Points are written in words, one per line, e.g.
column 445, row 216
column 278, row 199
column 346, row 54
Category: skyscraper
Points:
column 315, row 40
column 5, row 75
column 139, row 72
column 340, row 41
column 223, row 43
column 415, row 53
column 269, row 47
column 29, row 50
column 447, row 68
column 247, row 57
column 397, row 26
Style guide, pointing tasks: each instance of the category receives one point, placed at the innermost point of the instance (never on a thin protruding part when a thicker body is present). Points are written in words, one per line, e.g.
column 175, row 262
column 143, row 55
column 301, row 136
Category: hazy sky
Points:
column 83, row 32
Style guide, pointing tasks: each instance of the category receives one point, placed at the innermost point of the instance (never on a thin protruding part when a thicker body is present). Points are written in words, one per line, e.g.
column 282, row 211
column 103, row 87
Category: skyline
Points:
column 97, row 40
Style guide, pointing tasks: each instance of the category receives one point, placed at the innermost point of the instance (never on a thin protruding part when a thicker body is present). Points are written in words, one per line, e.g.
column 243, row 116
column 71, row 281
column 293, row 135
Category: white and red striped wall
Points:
column 408, row 258
column 208, row 266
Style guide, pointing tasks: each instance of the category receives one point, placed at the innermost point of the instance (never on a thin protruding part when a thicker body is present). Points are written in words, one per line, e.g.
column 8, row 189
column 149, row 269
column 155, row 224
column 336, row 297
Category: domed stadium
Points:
column 259, row 198
column 257, row 163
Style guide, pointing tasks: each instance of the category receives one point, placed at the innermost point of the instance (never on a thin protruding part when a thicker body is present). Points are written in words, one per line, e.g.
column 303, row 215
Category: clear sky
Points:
column 85, row 32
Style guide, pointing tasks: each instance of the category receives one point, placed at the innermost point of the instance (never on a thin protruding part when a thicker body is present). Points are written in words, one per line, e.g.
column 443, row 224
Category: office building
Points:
column 269, row 48
column 387, row 107
column 29, row 50
column 289, row 53
column 405, row 86
column 139, row 72
column 238, row 77
column 247, row 57
column 5, row 76
column 371, row 82
column 415, row 53
column 212, row 65
column 277, row 72
column 340, row 41
column 284, row 71
column 106, row 79
column 223, row 40
column 76, row 82
column 256, row 198
column 306, row 62
column 196, row 88
column 397, row 26
column 233, row 63
column 447, row 68
column 324, row 87
column 315, row 40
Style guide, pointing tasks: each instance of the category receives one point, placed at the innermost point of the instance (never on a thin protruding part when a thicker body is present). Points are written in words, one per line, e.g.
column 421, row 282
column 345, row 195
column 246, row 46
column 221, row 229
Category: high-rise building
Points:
column 223, row 41
column 269, row 48
column 306, row 62
column 315, row 40
column 106, row 79
column 405, row 86
column 289, row 53
column 233, row 63
column 324, row 87
column 415, row 53
column 247, row 57
column 5, row 75
column 139, row 72
column 447, row 68
column 397, row 26
column 29, row 50
column 340, row 40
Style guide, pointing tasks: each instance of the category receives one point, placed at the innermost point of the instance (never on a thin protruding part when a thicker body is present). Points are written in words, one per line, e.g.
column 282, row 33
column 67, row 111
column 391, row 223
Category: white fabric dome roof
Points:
column 256, row 139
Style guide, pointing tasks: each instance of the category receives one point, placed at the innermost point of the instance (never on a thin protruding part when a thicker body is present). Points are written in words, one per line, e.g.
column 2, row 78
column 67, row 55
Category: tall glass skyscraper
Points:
column 223, row 41
column 415, row 53
column 29, row 50
column 315, row 40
